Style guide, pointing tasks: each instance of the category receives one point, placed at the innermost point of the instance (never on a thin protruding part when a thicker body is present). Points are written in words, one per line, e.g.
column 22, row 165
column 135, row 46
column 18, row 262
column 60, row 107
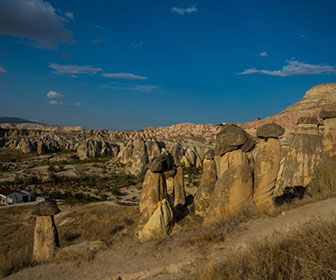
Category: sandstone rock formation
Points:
column 179, row 191
column 159, row 224
column 46, row 239
column 303, row 156
column 329, row 133
column 234, row 186
column 267, row 164
column 207, row 186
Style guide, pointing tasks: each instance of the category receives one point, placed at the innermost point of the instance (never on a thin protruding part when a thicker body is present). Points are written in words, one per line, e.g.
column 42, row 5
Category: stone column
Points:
column 267, row 164
column 46, row 239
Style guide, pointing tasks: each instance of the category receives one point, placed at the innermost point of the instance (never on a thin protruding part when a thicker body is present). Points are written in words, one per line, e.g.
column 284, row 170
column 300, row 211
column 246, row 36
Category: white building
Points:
column 8, row 196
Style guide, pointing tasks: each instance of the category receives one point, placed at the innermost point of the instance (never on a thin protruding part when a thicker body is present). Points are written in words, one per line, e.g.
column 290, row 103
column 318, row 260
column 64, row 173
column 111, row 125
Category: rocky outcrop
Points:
column 46, row 239
column 160, row 164
column 159, row 224
column 267, row 164
column 234, row 186
column 207, row 186
column 91, row 148
column 303, row 156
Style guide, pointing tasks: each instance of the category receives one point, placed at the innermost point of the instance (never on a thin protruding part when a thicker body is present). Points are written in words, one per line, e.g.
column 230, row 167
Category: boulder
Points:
column 233, row 188
column 266, row 168
column 308, row 120
column 270, row 130
column 46, row 208
column 159, row 224
column 160, row 164
column 207, row 186
column 231, row 138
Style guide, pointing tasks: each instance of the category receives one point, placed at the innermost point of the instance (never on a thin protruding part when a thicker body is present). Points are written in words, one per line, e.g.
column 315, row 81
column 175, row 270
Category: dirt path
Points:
column 173, row 258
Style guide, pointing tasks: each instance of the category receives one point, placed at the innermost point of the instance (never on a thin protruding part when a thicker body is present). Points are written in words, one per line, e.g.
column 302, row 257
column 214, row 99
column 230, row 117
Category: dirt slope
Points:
column 176, row 256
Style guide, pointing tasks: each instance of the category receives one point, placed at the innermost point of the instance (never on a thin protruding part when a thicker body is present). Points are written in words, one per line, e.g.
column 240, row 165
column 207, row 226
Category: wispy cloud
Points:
column 70, row 15
column 2, row 70
column 292, row 68
column 138, row 45
column 74, row 70
column 139, row 88
column 97, row 42
column 263, row 54
column 183, row 11
column 58, row 103
column 36, row 20
column 77, row 104
column 54, row 94
column 128, row 76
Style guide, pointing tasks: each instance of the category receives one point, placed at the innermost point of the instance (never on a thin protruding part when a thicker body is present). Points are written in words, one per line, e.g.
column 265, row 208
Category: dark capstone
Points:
column 327, row 114
column 209, row 154
column 270, row 130
column 248, row 146
column 160, row 164
column 231, row 138
column 46, row 208
column 308, row 120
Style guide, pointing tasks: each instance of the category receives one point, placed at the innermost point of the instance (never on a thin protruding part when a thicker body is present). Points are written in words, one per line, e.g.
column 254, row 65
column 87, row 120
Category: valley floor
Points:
column 183, row 254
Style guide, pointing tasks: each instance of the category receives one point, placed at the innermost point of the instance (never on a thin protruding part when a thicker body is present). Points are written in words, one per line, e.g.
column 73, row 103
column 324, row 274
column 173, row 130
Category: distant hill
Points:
column 15, row 120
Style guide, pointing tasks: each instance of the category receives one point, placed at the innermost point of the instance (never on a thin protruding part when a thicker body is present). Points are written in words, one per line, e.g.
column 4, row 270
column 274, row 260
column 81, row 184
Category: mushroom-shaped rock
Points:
column 231, row 138
column 160, row 164
column 307, row 120
column 270, row 130
column 46, row 238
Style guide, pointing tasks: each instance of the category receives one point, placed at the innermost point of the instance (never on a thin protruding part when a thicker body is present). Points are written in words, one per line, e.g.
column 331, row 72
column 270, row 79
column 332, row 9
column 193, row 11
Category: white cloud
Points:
column 128, row 76
column 138, row 45
column 77, row 104
column 54, row 94
column 36, row 20
column 141, row 88
column 2, row 70
column 183, row 11
column 70, row 15
column 54, row 102
column 263, row 54
column 294, row 67
column 74, row 70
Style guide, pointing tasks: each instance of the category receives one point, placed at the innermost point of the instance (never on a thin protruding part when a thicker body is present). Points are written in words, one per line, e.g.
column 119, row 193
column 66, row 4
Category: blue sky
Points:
column 122, row 64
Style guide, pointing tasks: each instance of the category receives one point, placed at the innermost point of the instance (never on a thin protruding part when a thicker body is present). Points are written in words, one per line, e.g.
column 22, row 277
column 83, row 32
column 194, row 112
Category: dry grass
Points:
column 309, row 253
column 16, row 239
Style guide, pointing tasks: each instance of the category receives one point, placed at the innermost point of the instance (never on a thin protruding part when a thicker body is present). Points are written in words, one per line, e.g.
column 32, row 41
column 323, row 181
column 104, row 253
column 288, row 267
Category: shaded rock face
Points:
column 270, row 130
column 160, row 164
column 46, row 239
column 233, row 188
column 159, row 224
column 91, row 148
column 139, row 157
column 206, row 188
column 302, row 159
column 266, row 168
column 179, row 191
column 153, row 191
